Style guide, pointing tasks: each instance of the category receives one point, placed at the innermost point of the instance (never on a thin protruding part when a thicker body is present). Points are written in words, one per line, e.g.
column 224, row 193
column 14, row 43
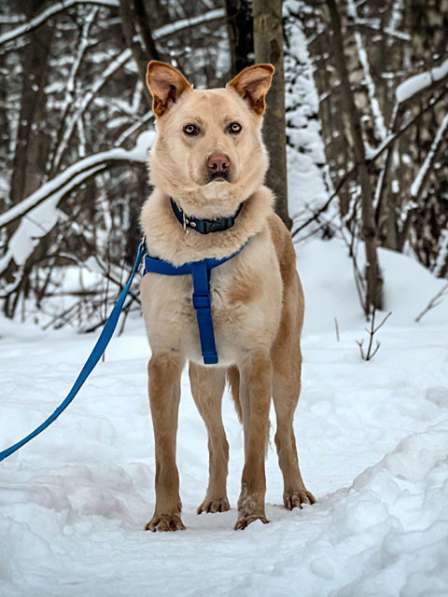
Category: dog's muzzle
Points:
column 218, row 167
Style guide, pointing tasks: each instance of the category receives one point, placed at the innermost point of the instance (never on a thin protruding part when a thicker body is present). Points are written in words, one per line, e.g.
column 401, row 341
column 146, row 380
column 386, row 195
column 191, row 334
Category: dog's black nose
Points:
column 218, row 165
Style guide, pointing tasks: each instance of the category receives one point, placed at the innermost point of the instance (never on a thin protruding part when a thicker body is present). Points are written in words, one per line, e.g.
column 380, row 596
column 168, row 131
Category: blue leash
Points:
column 94, row 357
column 200, row 272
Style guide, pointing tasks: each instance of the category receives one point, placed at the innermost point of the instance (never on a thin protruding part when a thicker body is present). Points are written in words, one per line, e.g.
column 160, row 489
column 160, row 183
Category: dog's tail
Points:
column 233, row 379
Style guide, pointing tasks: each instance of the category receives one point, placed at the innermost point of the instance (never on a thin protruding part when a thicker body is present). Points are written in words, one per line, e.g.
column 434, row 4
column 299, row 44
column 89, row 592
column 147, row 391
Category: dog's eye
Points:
column 191, row 130
column 234, row 128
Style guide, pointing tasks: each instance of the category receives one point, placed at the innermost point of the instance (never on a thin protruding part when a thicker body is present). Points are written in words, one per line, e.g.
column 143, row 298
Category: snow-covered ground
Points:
column 374, row 450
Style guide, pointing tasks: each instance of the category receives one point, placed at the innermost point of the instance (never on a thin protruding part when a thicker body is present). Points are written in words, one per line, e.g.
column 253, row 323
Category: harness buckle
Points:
column 201, row 301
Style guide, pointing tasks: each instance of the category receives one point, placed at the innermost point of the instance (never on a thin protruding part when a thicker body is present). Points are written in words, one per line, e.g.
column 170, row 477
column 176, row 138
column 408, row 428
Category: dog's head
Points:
column 209, row 153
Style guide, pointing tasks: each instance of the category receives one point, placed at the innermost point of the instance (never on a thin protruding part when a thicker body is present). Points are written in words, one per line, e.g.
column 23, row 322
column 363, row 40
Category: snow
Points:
column 417, row 83
column 373, row 439
column 308, row 176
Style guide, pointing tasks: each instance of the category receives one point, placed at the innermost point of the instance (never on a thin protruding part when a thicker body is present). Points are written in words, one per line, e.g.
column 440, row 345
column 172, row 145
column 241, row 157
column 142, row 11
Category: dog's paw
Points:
column 244, row 520
column 165, row 522
column 296, row 498
column 214, row 505
column 250, row 509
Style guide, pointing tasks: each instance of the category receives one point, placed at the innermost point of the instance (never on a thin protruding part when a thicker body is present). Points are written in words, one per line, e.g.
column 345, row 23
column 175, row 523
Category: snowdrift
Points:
column 373, row 440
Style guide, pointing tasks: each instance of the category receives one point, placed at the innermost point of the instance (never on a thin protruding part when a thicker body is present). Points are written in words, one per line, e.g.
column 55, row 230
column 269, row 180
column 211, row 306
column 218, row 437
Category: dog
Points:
column 208, row 164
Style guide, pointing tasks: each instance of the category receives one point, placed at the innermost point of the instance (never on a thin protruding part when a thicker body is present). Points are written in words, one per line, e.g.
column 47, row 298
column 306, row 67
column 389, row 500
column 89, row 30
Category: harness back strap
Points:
column 202, row 302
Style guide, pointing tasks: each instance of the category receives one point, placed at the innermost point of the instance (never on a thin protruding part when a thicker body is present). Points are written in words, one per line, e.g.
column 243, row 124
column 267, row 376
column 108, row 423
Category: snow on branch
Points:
column 50, row 12
column 42, row 219
column 378, row 119
column 442, row 255
column 39, row 211
column 64, row 180
column 375, row 25
column 55, row 9
column 425, row 168
column 11, row 19
column 418, row 83
column 172, row 28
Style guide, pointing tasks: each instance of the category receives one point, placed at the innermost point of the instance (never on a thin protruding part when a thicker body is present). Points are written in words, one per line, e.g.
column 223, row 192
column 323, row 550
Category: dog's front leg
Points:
column 164, row 394
column 255, row 396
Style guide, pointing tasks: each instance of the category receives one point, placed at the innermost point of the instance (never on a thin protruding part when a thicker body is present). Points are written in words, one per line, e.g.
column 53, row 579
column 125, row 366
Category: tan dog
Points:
column 210, row 158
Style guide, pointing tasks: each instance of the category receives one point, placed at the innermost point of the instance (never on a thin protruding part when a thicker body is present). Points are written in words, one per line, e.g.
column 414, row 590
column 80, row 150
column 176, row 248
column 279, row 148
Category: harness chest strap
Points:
column 202, row 301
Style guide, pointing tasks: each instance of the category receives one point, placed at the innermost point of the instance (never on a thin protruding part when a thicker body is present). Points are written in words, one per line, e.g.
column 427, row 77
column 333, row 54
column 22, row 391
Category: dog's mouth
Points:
column 218, row 177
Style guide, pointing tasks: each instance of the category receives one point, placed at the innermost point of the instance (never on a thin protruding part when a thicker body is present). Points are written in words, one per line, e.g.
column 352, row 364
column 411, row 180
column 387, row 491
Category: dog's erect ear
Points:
column 166, row 84
column 253, row 84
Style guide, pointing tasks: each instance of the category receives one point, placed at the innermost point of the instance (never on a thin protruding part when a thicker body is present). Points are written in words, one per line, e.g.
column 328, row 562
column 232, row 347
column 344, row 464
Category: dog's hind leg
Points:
column 287, row 363
column 207, row 387
column 164, row 395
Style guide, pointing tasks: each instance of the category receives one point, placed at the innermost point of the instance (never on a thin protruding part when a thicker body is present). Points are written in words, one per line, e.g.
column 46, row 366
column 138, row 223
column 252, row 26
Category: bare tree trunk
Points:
column 134, row 233
column 135, row 22
column 373, row 297
column 268, row 42
column 241, row 36
column 32, row 140
column 137, row 34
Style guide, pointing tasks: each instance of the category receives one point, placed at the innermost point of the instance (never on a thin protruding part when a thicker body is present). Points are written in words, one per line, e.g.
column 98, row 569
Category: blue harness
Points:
column 202, row 300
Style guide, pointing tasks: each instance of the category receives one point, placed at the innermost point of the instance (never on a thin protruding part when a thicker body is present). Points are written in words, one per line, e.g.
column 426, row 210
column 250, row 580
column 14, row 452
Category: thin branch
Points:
column 371, row 352
column 392, row 138
column 425, row 169
column 83, row 44
column 325, row 206
column 173, row 28
column 378, row 118
column 434, row 302
column 50, row 12
column 336, row 326
column 119, row 61
column 164, row 31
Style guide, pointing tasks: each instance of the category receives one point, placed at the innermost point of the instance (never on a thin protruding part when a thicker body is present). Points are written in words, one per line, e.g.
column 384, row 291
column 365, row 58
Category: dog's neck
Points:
column 167, row 239
column 204, row 225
